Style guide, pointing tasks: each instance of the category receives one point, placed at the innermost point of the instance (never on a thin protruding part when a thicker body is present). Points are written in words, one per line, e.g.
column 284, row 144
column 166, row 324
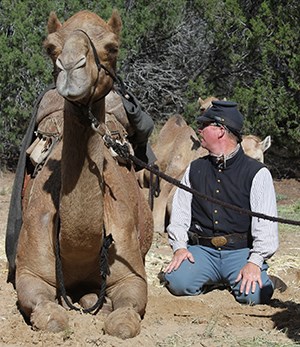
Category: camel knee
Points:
column 49, row 316
column 31, row 291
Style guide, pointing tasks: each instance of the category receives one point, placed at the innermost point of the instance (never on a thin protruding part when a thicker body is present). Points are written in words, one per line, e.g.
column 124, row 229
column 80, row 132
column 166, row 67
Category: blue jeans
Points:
column 213, row 266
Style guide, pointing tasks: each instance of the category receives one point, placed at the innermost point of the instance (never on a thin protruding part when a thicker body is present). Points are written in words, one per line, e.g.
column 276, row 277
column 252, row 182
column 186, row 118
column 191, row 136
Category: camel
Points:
column 254, row 147
column 176, row 146
column 80, row 198
column 204, row 104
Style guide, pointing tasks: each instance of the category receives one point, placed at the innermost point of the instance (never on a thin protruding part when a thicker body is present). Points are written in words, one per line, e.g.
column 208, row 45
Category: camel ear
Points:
column 201, row 101
column 53, row 23
column 115, row 22
column 266, row 143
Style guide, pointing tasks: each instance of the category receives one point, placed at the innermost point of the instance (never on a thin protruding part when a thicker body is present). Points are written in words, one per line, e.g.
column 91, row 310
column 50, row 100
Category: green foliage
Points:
column 148, row 18
column 253, row 58
column 25, row 69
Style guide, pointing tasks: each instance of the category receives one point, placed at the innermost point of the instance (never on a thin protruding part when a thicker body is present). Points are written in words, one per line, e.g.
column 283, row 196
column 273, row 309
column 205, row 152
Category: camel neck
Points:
column 81, row 179
column 82, row 146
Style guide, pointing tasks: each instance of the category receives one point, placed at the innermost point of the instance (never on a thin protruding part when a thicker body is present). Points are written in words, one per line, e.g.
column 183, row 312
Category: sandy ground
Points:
column 213, row 319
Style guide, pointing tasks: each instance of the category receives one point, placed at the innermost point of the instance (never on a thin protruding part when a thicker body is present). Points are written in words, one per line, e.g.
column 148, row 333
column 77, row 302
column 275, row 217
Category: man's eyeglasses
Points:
column 204, row 125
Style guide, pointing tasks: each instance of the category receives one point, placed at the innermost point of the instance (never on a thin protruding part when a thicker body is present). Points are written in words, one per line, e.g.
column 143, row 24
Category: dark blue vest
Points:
column 231, row 184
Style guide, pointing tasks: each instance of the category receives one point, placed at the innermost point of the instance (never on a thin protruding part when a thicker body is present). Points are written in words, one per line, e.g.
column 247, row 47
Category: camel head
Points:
column 254, row 147
column 84, row 51
column 207, row 103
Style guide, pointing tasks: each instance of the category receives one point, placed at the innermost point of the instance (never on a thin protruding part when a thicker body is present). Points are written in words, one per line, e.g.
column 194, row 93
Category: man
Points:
column 213, row 244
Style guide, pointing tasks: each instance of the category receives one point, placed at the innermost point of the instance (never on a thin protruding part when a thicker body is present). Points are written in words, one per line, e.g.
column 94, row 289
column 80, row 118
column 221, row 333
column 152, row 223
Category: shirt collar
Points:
column 221, row 160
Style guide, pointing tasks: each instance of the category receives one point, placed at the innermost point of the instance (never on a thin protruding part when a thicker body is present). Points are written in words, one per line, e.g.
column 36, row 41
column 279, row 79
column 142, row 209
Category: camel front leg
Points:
column 129, row 300
column 127, row 283
column 160, row 206
column 37, row 300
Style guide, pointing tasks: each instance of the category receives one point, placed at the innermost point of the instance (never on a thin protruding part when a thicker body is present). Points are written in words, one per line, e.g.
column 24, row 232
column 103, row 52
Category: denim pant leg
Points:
column 232, row 262
column 190, row 278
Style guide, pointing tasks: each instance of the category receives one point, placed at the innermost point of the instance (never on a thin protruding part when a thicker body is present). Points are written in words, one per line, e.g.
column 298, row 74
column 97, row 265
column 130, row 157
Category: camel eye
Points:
column 52, row 51
column 111, row 49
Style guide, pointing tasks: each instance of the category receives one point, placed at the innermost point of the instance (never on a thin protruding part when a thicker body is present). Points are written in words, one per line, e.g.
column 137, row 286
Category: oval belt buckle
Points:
column 219, row 241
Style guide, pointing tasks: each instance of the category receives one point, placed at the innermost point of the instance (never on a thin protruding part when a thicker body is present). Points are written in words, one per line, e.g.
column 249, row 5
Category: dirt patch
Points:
column 214, row 319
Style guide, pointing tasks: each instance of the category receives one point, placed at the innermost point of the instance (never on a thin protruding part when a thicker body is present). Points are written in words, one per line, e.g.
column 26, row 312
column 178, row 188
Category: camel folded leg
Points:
column 129, row 300
column 37, row 300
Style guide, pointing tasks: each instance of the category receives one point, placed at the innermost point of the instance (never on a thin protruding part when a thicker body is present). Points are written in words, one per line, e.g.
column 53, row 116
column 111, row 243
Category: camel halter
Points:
column 92, row 119
column 107, row 239
column 97, row 60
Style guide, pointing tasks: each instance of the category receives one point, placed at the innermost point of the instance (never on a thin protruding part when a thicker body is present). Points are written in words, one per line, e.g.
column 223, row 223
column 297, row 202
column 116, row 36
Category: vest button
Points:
column 216, row 222
column 217, row 191
column 218, row 181
column 215, row 211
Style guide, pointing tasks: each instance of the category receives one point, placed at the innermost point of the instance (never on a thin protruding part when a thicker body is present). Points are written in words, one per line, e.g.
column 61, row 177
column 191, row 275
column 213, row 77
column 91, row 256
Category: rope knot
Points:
column 121, row 149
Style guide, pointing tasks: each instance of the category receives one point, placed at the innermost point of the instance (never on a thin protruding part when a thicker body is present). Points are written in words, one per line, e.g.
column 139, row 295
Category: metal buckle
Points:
column 219, row 241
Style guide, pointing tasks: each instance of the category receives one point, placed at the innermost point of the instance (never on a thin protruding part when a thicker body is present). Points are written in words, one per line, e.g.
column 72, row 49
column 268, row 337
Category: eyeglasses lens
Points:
column 203, row 125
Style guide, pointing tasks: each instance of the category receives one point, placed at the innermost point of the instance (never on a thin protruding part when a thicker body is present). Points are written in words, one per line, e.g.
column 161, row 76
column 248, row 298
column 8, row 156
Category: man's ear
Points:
column 222, row 132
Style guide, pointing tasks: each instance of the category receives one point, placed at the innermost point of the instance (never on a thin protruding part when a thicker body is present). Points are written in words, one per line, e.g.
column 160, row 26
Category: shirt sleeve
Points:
column 180, row 219
column 264, row 232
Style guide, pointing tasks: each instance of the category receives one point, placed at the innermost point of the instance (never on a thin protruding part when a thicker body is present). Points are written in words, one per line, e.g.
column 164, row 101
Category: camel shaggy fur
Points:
column 84, row 193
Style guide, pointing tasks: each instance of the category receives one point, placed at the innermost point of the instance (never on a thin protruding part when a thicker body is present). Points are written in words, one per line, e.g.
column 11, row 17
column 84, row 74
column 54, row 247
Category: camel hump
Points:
column 173, row 123
column 179, row 121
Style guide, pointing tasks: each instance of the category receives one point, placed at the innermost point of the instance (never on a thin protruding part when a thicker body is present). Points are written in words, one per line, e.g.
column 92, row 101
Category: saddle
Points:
column 49, row 126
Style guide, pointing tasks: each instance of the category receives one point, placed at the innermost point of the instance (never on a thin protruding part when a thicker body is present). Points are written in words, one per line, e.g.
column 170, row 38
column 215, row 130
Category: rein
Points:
column 123, row 151
column 104, row 272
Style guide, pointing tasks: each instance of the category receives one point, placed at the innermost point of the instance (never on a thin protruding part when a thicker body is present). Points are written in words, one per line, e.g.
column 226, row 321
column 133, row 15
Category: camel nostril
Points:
column 81, row 63
column 59, row 64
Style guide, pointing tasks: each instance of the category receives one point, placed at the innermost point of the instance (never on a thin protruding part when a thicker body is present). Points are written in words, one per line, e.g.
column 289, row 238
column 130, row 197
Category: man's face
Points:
column 209, row 133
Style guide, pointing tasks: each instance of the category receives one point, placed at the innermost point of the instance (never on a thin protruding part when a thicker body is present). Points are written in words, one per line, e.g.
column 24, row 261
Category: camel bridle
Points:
column 86, row 108
column 107, row 239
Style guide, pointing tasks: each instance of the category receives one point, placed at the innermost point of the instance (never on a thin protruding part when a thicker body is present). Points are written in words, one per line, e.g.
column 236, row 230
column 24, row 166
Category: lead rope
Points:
column 104, row 272
column 154, row 187
column 123, row 151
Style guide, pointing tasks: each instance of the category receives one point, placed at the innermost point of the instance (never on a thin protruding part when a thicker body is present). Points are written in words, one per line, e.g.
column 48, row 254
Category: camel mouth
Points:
column 72, row 91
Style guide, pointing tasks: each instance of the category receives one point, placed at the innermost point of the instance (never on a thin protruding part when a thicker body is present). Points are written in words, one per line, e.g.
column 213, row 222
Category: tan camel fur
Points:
column 176, row 146
column 83, row 185
column 204, row 104
column 254, row 147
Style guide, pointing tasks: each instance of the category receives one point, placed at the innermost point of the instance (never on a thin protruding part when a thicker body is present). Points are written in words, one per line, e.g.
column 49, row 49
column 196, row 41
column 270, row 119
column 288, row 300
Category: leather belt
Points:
column 229, row 241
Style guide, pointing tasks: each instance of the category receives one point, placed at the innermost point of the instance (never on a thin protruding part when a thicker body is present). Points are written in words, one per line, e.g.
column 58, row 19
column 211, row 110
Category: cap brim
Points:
column 203, row 118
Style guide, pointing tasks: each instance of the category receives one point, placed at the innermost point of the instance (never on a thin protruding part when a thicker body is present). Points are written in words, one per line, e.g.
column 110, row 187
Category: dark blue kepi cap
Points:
column 224, row 113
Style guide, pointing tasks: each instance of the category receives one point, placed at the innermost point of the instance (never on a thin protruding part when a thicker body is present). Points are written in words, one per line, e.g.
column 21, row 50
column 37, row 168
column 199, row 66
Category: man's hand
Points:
column 178, row 257
column 249, row 274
